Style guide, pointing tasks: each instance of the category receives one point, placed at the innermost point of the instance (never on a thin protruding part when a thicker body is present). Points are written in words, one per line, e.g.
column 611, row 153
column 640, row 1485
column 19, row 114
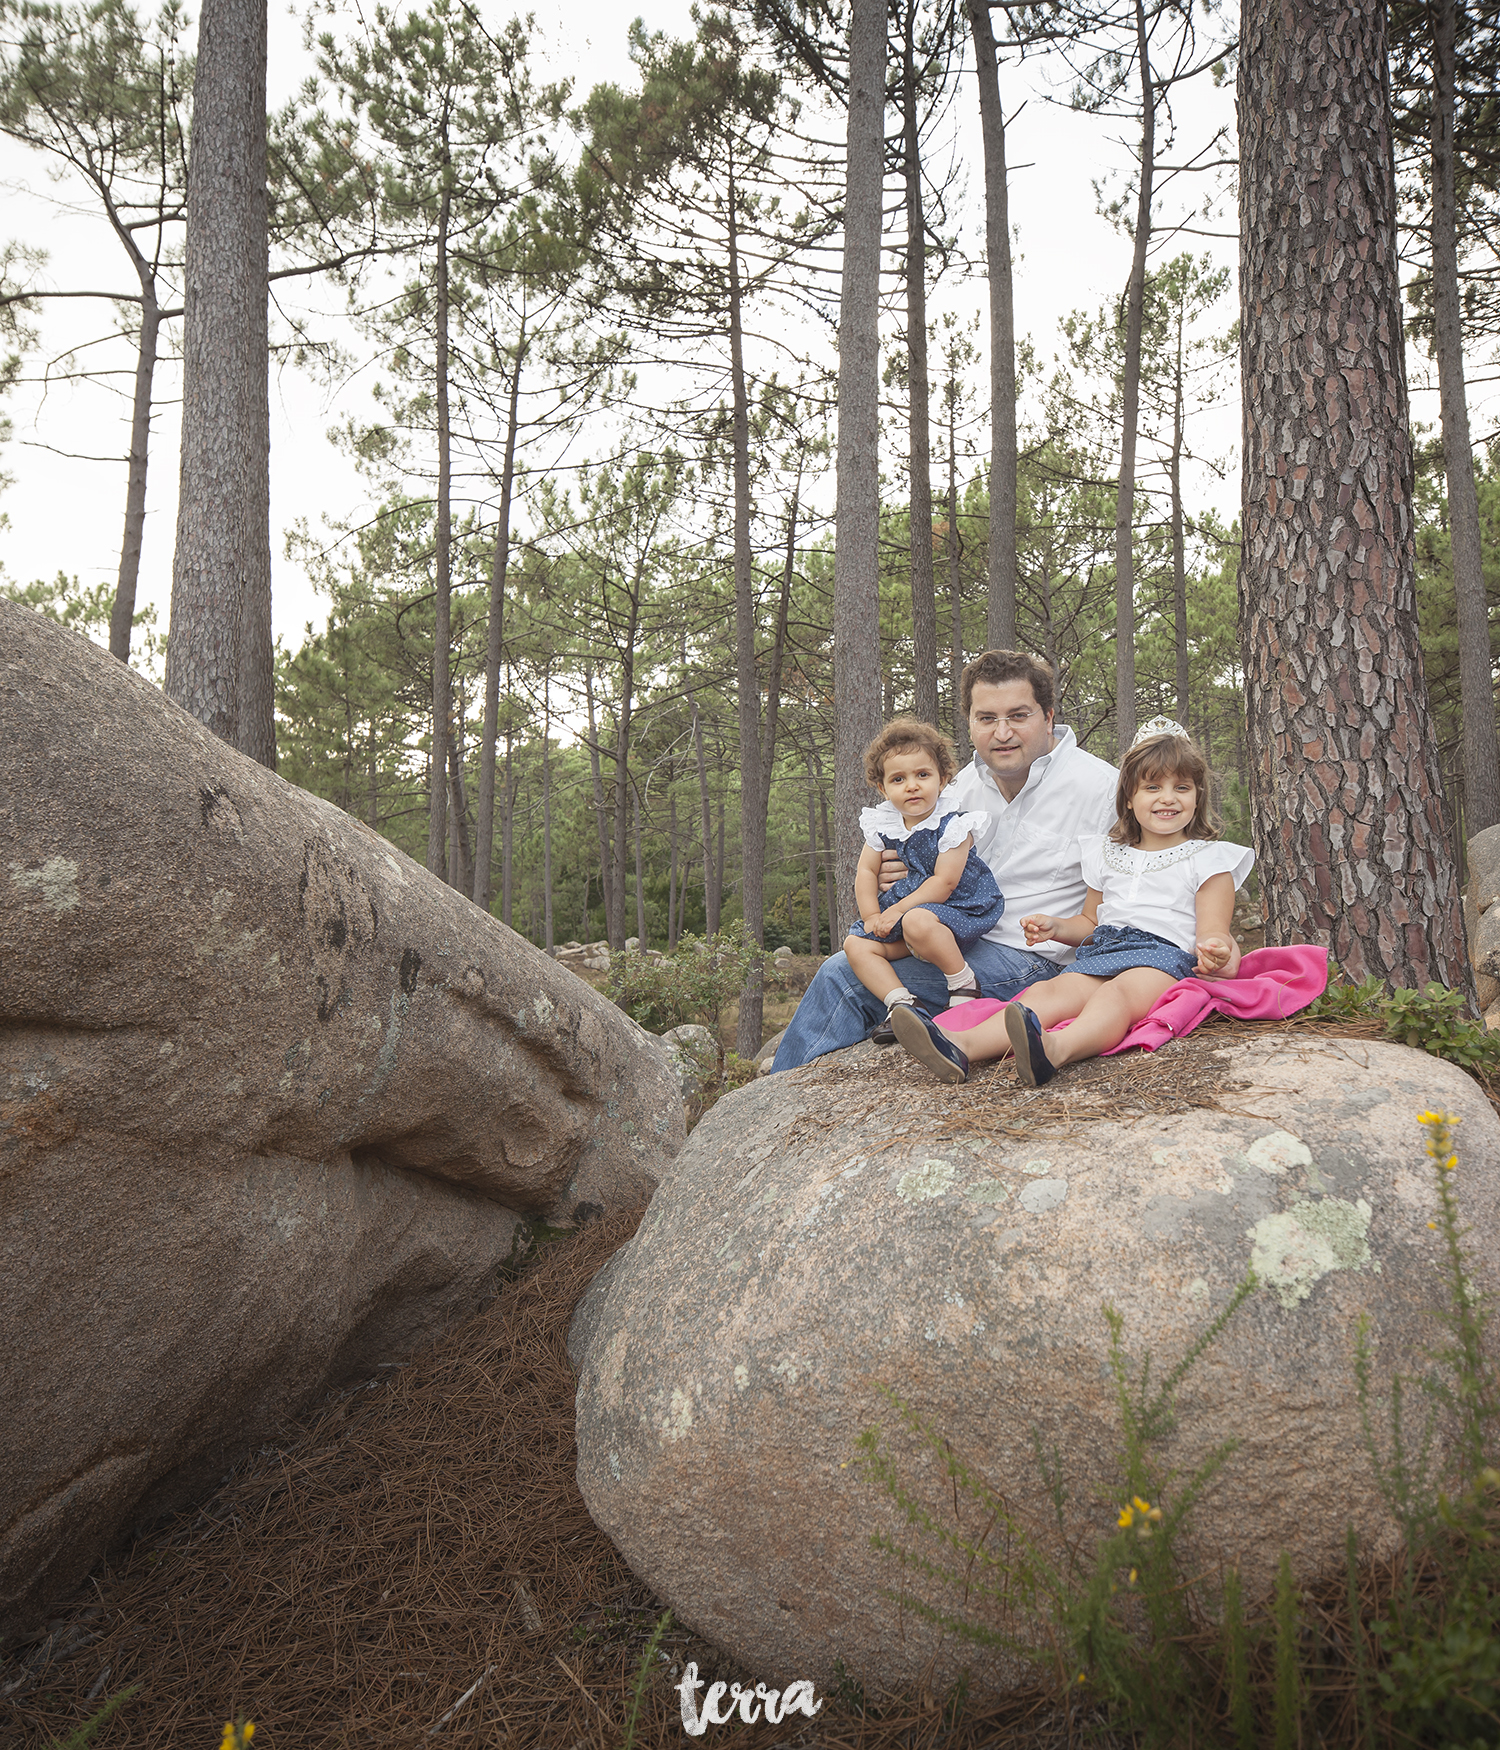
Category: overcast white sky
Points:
column 67, row 514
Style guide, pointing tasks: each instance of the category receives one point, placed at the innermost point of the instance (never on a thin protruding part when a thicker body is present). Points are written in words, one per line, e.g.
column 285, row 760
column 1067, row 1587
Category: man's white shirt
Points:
column 1032, row 844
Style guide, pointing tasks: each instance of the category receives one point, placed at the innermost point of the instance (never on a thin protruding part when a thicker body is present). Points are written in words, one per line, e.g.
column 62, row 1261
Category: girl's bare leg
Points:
column 1107, row 1016
column 931, row 940
column 870, row 962
column 1056, row 999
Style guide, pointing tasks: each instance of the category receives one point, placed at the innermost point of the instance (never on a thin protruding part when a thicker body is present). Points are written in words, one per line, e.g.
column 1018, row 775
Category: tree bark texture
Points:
column 606, row 883
column 1475, row 677
column 1000, row 628
column 122, row 614
column 442, row 634
column 1130, row 395
column 919, row 440
column 856, row 592
column 1343, row 760
column 624, row 721
column 1179, row 545
column 547, row 807
column 460, row 857
column 955, row 595
column 814, row 933
column 710, row 890
column 219, row 656
column 672, row 888
column 640, row 891
column 494, row 654
column 753, row 792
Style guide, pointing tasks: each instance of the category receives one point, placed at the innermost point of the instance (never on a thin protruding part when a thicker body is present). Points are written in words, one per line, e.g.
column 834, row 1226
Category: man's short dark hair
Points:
column 997, row 668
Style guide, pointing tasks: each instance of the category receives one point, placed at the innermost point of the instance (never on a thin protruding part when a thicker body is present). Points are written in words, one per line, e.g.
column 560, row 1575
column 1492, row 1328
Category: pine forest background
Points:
column 602, row 324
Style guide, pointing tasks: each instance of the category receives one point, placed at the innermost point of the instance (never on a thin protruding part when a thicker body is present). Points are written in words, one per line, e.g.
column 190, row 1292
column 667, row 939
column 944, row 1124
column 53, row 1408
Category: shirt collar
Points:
column 1064, row 741
column 893, row 821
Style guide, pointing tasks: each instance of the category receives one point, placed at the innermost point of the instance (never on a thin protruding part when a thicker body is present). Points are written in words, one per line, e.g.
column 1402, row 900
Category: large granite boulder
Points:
column 275, row 1104
column 850, row 1225
column 1482, row 915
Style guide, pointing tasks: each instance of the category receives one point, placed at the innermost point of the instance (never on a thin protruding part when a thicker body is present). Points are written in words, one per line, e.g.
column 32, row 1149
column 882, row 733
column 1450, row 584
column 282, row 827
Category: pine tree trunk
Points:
column 673, row 892
column 919, row 442
column 1001, row 621
column 373, row 819
column 710, row 897
column 814, row 933
column 442, row 691
column 507, row 834
column 494, row 654
column 606, row 881
column 460, row 857
column 753, row 792
column 856, row 596
column 123, row 613
column 623, row 721
column 719, row 874
column 1475, row 675
column 830, row 889
column 955, row 594
column 1135, row 305
column 550, row 941
column 219, row 652
column 1179, row 545
column 1343, row 758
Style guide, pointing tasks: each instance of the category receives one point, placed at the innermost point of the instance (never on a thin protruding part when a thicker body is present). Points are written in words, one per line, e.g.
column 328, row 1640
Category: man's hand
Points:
column 892, row 870
column 1214, row 955
column 1039, row 928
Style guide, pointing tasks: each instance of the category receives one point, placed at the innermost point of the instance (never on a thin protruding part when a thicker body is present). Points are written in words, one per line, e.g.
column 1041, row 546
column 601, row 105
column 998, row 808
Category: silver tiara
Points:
column 1159, row 726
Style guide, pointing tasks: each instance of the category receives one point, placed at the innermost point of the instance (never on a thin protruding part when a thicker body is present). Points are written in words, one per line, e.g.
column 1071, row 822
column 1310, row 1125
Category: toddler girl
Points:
column 946, row 899
column 1160, row 901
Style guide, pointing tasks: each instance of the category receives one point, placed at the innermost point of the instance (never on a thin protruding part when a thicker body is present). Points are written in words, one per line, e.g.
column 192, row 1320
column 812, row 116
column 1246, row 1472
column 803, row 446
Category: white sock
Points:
column 899, row 995
column 962, row 979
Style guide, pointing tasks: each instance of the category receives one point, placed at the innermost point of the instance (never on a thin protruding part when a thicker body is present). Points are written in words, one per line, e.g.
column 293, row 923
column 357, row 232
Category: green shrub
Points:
column 1432, row 1019
column 696, row 982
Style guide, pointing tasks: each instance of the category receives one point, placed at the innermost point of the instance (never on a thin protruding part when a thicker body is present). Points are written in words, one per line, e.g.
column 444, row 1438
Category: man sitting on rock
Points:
column 1042, row 793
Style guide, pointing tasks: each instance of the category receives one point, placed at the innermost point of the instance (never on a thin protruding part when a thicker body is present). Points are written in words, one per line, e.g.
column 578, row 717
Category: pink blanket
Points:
column 1271, row 984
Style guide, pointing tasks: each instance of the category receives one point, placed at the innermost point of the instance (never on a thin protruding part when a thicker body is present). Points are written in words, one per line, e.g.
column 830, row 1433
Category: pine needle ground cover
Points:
column 416, row 1566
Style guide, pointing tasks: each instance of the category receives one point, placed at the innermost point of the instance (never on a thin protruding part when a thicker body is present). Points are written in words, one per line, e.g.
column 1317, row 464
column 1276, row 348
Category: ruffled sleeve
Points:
column 1091, row 858
column 885, row 818
column 956, row 828
column 1219, row 857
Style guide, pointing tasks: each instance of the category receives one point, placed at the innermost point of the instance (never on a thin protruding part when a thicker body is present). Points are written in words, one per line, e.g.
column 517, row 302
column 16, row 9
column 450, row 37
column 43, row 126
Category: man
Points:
column 1042, row 793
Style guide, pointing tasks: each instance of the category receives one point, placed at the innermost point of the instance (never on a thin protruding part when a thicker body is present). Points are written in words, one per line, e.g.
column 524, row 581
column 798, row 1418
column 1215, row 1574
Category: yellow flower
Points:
column 1127, row 1514
column 1133, row 1573
column 1140, row 1505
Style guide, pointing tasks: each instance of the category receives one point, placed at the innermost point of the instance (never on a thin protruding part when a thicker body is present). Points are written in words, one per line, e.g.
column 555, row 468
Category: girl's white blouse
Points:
column 1158, row 890
column 886, row 818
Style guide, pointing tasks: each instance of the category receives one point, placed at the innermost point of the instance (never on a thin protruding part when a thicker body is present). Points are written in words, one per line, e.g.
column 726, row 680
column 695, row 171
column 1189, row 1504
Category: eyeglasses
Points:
column 1017, row 719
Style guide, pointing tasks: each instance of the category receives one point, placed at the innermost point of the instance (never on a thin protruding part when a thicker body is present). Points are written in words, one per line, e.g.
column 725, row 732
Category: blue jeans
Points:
column 836, row 1010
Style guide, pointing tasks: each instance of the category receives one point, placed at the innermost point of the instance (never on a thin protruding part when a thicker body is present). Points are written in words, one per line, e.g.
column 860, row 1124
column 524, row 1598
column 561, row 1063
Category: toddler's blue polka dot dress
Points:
column 973, row 907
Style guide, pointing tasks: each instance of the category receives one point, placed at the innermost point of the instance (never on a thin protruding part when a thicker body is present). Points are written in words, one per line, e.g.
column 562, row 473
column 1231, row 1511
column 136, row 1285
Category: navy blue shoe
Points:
column 882, row 1033
column 1024, row 1031
column 931, row 1047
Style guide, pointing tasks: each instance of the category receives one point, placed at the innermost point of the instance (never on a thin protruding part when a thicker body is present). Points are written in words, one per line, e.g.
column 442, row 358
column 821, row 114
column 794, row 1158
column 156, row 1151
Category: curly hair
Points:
column 904, row 732
column 1165, row 756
